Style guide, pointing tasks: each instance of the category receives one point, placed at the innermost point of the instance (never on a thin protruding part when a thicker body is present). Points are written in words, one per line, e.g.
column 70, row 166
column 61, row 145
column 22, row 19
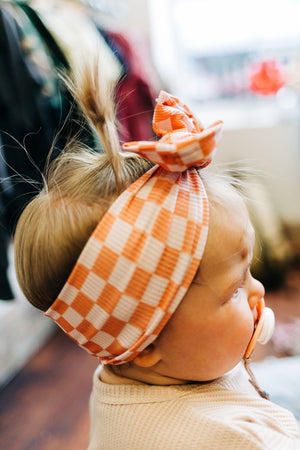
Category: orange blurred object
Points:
column 267, row 78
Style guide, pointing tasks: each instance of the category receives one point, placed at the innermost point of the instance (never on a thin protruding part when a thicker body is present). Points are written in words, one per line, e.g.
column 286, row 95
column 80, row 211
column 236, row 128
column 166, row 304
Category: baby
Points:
column 143, row 258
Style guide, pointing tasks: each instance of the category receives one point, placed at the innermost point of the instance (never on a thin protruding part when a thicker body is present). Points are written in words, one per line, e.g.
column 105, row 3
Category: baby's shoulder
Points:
column 190, row 416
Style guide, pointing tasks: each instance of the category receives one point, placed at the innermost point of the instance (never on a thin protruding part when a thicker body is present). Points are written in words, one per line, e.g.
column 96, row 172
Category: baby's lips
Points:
column 264, row 328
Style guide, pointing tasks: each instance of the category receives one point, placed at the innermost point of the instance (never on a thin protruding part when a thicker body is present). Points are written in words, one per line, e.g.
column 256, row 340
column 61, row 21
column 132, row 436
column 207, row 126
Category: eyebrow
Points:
column 244, row 275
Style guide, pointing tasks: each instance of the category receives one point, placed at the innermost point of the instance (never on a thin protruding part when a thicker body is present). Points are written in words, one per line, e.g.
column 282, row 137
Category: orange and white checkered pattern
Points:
column 184, row 141
column 137, row 265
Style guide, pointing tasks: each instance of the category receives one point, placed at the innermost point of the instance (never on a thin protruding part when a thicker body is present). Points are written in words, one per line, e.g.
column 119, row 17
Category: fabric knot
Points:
column 184, row 141
column 171, row 115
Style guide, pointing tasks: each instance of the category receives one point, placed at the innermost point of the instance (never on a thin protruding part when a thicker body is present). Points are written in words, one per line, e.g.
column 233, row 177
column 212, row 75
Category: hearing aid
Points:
column 264, row 327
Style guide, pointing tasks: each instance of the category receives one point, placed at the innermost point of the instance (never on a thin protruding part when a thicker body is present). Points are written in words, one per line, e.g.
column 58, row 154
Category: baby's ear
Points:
column 148, row 357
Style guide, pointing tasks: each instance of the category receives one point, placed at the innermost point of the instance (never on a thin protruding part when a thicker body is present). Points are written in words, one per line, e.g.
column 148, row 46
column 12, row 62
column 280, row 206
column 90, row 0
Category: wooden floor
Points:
column 46, row 406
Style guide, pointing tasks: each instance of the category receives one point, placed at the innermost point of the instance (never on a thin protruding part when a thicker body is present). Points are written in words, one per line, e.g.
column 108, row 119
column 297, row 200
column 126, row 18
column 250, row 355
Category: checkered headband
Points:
column 143, row 255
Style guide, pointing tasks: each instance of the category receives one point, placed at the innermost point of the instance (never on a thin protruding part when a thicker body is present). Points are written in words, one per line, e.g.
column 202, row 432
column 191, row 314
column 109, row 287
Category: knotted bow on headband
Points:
column 185, row 143
column 143, row 255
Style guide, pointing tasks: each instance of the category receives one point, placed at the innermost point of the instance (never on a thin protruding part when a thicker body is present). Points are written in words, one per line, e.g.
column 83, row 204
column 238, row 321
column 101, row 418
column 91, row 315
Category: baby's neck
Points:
column 134, row 374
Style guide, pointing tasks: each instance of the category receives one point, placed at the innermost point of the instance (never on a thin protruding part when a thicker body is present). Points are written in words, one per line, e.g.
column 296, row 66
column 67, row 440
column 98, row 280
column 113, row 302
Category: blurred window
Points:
column 211, row 49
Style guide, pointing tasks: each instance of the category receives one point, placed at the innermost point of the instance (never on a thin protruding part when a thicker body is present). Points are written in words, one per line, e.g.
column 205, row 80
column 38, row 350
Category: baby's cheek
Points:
column 244, row 332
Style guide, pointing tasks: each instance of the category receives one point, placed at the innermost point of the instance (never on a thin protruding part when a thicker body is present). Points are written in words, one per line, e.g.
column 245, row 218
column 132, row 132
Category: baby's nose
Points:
column 256, row 293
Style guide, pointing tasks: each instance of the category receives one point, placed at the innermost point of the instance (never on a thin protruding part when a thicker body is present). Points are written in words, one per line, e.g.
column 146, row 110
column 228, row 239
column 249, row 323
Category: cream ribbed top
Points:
column 224, row 414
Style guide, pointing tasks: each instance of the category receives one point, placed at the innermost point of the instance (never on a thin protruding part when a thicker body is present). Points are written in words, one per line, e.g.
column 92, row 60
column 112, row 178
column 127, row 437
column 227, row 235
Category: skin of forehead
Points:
column 230, row 237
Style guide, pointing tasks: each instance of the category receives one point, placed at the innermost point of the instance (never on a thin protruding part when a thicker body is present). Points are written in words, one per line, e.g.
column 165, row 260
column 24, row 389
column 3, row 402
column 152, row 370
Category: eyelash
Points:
column 235, row 294
column 237, row 291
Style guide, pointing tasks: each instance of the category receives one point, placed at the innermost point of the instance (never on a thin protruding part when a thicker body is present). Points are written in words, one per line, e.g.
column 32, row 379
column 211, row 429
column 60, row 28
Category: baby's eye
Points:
column 236, row 293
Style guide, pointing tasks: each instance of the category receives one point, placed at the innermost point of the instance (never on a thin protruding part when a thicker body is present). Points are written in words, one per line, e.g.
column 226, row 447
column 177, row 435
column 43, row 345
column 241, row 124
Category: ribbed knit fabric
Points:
column 224, row 414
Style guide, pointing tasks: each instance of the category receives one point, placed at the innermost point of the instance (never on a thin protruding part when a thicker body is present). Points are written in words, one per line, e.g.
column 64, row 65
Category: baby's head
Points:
column 172, row 298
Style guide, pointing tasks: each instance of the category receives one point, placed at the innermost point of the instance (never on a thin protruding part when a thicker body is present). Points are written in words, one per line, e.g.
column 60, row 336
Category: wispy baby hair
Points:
column 79, row 187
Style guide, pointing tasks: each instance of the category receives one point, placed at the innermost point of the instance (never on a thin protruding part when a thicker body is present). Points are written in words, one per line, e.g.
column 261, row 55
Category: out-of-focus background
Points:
column 234, row 61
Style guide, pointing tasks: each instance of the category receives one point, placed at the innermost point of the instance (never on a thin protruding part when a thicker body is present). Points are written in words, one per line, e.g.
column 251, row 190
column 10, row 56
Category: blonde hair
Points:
column 79, row 187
